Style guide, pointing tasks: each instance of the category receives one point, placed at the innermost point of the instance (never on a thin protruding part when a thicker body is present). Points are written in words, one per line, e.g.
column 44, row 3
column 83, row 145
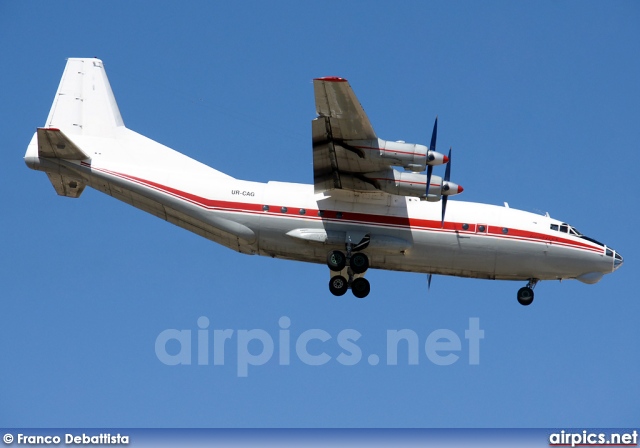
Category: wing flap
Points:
column 326, row 175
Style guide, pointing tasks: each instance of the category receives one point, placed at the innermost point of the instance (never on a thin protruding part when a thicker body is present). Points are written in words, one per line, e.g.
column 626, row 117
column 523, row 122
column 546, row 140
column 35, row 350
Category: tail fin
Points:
column 84, row 103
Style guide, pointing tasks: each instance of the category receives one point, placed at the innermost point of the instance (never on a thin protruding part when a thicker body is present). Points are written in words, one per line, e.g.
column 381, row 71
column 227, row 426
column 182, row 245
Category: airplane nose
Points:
column 617, row 261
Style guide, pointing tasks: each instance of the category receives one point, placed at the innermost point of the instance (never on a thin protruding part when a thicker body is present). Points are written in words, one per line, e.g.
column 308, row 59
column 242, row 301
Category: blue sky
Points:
column 540, row 102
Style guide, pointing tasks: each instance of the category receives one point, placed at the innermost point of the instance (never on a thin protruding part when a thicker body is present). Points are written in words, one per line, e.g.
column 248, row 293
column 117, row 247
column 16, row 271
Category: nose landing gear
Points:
column 525, row 294
column 358, row 265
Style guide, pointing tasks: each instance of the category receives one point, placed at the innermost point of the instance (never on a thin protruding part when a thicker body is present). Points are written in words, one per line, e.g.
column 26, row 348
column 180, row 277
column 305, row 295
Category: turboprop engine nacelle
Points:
column 449, row 188
column 406, row 183
column 410, row 156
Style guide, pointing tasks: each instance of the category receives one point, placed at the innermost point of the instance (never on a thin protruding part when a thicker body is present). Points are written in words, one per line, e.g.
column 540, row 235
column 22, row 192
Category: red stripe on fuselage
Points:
column 353, row 217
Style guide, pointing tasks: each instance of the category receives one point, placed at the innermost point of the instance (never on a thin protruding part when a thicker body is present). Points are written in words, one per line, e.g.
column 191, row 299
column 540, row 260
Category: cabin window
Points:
column 339, row 215
column 465, row 226
column 609, row 253
column 265, row 208
column 554, row 227
column 320, row 213
column 283, row 209
column 481, row 228
column 505, row 230
column 564, row 228
column 302, row 211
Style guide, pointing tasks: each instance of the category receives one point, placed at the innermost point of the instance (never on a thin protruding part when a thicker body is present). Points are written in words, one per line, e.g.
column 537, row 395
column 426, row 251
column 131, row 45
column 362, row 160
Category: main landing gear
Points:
column 358, row 263
column 525, row 294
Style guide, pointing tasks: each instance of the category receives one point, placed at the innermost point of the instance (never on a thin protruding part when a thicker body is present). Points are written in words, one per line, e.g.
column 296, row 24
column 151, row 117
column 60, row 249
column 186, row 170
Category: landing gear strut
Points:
column 525, row 294
column 358, row 263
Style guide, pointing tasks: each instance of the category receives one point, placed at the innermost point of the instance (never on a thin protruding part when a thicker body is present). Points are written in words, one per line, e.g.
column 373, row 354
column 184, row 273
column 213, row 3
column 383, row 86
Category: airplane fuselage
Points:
column 287, row 220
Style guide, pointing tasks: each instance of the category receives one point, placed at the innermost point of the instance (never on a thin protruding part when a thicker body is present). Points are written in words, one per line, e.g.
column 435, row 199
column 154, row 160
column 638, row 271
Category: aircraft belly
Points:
column 564, row 262
column 517, row 260
column 446, row 253
column 274, row 241
column 227, row 229
column 482, row 256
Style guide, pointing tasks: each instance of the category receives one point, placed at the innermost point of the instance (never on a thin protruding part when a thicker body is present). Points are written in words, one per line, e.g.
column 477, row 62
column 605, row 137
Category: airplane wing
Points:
column 347, row 154
column 336, row 101
column 341, row 120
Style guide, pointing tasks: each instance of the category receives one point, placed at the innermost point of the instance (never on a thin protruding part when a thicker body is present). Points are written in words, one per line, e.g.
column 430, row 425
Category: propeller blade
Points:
column 434, row 135
column 429, row 282
column 447, row 174
column 432, row 147
column 444, row 209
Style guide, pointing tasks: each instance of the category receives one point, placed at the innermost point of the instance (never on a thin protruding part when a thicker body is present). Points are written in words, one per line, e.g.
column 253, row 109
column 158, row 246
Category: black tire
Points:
column 360, row 287
column 338, row 285
column 525, row 296
column 336, row 260
column 359, row 263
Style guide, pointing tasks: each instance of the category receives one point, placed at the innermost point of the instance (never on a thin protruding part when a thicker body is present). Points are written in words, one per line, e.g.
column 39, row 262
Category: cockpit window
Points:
column 592, row 240
column 566, row 228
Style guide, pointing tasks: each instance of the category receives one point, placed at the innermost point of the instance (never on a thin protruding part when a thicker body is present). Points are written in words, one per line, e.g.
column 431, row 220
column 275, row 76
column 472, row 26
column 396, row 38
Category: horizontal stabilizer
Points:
column 53, row 143
column 66, row 186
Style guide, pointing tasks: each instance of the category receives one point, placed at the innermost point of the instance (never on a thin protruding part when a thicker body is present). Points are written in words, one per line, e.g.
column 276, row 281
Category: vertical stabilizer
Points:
column 84, row 103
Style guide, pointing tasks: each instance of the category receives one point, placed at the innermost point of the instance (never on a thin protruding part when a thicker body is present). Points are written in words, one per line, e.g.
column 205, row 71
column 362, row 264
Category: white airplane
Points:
column 360, row 213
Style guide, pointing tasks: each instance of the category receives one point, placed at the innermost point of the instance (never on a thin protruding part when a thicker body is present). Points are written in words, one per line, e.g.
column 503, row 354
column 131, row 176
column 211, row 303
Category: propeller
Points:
column 432, row 147
column 429, row 281
column 447, row 174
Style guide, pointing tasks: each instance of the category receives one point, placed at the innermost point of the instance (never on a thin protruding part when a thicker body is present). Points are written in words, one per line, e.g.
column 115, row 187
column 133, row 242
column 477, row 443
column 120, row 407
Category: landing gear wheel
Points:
column 336, row 260
column 525, row 296
column 359, row 263
column 338, row 285
column 360, row 287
